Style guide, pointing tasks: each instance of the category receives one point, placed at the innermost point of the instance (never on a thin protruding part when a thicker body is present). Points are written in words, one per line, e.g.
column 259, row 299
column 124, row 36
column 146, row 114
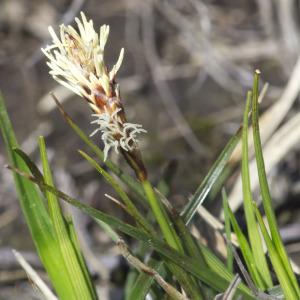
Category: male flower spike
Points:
column 76, row 60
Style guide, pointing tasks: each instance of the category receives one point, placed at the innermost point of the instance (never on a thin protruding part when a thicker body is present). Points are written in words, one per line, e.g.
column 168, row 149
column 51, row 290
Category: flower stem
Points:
column 187, row 282
column 135, row 161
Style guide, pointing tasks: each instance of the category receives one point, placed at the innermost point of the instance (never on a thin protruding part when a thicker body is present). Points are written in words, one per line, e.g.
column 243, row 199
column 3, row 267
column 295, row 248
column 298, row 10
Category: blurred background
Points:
column 187, row 67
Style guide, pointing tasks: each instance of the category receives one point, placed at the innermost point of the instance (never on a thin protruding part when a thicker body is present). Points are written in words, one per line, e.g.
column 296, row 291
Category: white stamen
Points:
column 110, row 127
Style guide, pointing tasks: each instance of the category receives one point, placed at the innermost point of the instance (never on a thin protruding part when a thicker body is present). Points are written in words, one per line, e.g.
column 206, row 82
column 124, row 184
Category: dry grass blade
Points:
column 259, row 295
column 215, row 223
column 34, row 277
column 229, row 293
column 116, row 201
column 243, row 270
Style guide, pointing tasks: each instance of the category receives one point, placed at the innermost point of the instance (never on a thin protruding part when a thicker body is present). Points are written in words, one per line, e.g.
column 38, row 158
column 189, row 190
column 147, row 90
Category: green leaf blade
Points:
column 141, row 221
column 252, row 226
column 35, row 212
column 143, row 282
column 210, row 179
column 129, row 204
column 81, row 287
column 264, row 187
column 208, row 276
column 283, row 277
column 245, row 247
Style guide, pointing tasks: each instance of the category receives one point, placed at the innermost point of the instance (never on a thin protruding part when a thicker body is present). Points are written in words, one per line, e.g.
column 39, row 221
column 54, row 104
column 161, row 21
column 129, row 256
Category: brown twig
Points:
column 136, row 263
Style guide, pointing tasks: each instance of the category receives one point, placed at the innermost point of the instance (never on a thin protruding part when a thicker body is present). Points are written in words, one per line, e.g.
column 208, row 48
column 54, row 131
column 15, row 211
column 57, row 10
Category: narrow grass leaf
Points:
column 79, row 254
column 252, row 226
column 264, row 187
column 35, row 213
column 63, row 229
column 282, row 275
column 172, row 239
column 184, row 234
column 210, row 179
column 77, row 277
column 245, row 248
column 162, row 218
column 189, row 264
column 108, row 230
column 113, row 183
column 206, row 275
column 189, row 244
column 31, row 165
column 213, row 263
column 182, row 277
column 143, row 283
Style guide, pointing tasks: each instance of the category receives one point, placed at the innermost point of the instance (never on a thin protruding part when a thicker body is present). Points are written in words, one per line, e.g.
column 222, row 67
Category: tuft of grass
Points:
column 67, row 271
column 252, row 248
column 177, row 260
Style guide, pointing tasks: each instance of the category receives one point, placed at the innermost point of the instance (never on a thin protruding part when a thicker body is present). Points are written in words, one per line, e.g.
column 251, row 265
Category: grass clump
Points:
column 179, row 266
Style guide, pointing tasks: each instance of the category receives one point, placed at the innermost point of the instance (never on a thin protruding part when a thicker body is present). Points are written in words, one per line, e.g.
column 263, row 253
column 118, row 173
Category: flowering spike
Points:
column 76, row 61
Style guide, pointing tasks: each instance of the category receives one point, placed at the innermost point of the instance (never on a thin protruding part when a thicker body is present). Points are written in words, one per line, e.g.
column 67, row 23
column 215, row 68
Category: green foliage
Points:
column 252, row 226
column 66, row 237
column 164, row 234
column 245, row 248
column 41, row 225
column 189, row 264
column 252, row 250
column 267, row 201
column 213, row 176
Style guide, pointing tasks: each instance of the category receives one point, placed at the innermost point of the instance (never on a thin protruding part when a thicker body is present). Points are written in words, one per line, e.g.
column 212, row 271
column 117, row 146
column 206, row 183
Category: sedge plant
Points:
column 175, row 265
